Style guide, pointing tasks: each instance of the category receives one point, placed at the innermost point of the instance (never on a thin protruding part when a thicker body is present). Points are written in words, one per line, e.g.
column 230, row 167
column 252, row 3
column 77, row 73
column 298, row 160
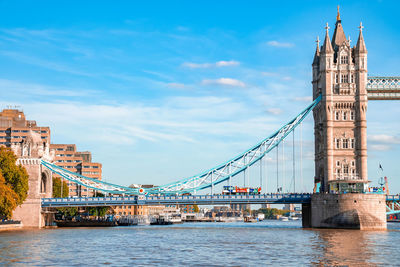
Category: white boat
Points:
column 284, row 219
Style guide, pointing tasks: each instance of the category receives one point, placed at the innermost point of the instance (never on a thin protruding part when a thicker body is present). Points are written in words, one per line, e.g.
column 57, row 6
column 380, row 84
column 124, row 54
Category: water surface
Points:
column 199, row 244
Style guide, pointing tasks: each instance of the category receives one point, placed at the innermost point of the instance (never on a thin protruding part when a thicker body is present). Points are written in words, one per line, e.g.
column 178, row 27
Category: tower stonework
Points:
column 340, row 129
column 30, row 152
column 340, row 75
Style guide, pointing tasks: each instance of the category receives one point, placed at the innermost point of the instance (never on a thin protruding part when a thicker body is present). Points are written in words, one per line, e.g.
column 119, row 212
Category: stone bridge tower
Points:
column 30, row 152
column 340, row 75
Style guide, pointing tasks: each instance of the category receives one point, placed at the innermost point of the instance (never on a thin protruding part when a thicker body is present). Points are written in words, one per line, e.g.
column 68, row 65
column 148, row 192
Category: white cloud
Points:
column 227, row 63
column 279, row 44
column 176, row 85
column 270, row 74
column 275, row 111
column 379, row 147
column 303, row 98
column 20, row 88
column 225, row 82
column 384, row 139
column 211, row 65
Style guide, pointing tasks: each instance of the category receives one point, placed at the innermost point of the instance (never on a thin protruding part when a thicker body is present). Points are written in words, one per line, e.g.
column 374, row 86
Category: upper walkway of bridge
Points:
column 383, row 88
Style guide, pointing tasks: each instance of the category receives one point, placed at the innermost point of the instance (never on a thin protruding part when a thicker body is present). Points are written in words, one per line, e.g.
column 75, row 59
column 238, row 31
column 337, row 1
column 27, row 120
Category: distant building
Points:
column 68, row 158
column 240, row 207
column 14, row 128
column 289, row 207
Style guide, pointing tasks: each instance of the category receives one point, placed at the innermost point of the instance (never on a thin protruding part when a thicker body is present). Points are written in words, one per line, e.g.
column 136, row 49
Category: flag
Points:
column 380, row 167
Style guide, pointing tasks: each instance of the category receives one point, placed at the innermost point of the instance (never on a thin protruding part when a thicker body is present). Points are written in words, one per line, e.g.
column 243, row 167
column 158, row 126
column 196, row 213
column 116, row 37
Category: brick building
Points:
column 67, row 157
column 14, row 128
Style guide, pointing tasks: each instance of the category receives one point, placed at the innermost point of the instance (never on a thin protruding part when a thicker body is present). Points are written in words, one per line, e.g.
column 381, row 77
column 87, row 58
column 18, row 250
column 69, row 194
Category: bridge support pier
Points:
column 348, row 211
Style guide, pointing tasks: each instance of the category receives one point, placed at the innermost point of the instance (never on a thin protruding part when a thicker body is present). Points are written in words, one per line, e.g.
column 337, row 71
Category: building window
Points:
column 345, row 169
column 337, row 142
column 337, row 115
column 352, row 143
column 344, row 116
column 352, row 115
column 338, row 163
column 345, row 143
column 344, row 60
column 353, row 163
column 344, row 78
column 336, row 78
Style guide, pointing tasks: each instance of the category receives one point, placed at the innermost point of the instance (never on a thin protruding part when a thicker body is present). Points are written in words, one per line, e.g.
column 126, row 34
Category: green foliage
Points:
column 70, row 211
column 98, row 211
column 99, row 194
column 196, row 208
column 15, row 176
column 57, row 188
column 8, row 199
column 271, row 213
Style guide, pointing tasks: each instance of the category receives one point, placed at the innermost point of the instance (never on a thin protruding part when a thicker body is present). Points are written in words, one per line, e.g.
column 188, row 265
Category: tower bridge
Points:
column 341, row 199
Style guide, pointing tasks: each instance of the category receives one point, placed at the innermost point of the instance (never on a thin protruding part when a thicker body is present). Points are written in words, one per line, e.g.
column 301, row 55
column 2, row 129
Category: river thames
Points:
column 201, row 244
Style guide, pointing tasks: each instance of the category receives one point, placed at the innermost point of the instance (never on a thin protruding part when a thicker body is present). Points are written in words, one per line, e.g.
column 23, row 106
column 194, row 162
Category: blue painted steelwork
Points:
column 177, row 200
column 392, row 205
column 383, row 88
column 207, row 179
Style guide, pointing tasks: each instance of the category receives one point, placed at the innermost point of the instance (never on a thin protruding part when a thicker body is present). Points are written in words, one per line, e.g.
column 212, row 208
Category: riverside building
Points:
column 67, row 157
column 14, row 128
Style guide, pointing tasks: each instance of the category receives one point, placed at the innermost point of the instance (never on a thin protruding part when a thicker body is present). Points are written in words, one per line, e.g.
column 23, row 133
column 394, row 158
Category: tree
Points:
column 98, row 211
column 57, row 188
column 15, row 175
column 8, row 199
column 196, row 208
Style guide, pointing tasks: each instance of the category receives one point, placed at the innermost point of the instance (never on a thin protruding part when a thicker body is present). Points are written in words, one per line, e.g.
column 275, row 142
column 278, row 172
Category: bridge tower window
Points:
column 337, row 115
column 344, row 60
column 344, row 116
column 352, row 143
column 352, row 115
column 345, row 169
column 344, row 78
column 337, row 142
column 345, row 143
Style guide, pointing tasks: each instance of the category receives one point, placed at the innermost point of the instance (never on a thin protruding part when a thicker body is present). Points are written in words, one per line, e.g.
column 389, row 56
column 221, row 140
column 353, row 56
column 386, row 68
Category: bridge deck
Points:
column 184, row 200
column 179, row 200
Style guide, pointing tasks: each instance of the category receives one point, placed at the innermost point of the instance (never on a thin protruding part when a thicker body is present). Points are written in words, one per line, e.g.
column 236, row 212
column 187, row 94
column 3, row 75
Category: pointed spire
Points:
column 338, row 35
column 327, row 47
column 360, row 47
column 316, row 56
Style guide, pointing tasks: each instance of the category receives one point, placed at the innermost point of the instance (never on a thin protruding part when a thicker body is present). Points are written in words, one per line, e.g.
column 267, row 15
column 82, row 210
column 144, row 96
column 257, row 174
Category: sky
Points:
column 162, row 90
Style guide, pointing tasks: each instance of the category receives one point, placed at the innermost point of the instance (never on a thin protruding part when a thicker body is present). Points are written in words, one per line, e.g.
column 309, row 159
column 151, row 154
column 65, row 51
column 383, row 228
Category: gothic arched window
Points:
column 43, row 183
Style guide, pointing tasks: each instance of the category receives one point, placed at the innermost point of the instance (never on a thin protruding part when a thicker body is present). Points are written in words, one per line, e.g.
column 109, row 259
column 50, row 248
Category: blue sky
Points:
column 161, row 90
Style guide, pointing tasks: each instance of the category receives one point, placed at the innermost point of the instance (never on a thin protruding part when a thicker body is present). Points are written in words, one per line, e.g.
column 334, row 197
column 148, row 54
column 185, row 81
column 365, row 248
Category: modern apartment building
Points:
column 14, row 127
column 67, row 157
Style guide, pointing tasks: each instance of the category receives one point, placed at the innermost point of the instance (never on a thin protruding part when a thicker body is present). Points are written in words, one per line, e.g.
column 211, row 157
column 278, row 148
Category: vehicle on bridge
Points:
column 235, row 190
